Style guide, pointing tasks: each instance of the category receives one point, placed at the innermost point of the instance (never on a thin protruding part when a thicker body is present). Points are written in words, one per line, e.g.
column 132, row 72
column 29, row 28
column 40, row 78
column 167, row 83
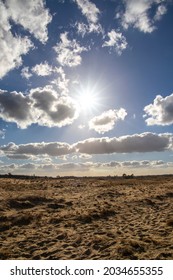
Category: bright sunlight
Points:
column 88, row 99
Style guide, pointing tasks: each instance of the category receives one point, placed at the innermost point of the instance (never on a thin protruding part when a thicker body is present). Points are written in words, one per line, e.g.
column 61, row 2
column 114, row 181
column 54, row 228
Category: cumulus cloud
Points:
column 137, row 164
column 116, row 41
column 113, row 164
column 144, row 164
column 12, row 47
column 42, row 69
column 107, row 120
column 160, row 112
column 137, row 14
column 89, row 10
column 16, row 107
column 71, row 166
column 140, row 143
column 61, row 82
column 68, row 51
column 43, row 106
column 84, row 29
column 85, row 156
column 25, row 73
column 53, row 109
column 53, row 149
column 31, row 15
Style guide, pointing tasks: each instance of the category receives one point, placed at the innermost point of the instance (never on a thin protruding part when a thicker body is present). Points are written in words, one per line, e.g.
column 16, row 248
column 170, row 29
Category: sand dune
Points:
column 86, row 218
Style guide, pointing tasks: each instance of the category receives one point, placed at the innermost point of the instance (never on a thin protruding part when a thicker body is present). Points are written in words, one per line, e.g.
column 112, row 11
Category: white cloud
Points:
column 81, row 126
column 142, row 164
column 132, row 164
column 12, row 48
column 53, row 109
column 107, row 120
column 84, row 29
column 85, row 156
column 32, row 15
column 89, row 10
column 53, row 149
column 68, row 51
column 160, row 112
column 61, row 82
column 137, row 14
column 136, row 143
column 117, row 41
column 112, row 164
column 43, row 106
column 71, row 166
column 25, row 73
column 42, row 69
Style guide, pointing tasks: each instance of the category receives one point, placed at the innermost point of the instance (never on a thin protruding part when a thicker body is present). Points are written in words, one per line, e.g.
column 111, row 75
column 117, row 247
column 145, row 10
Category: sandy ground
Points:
column 86, row 218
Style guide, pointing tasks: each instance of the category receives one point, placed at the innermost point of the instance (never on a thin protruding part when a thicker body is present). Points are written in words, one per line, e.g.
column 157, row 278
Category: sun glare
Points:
column 88, row 100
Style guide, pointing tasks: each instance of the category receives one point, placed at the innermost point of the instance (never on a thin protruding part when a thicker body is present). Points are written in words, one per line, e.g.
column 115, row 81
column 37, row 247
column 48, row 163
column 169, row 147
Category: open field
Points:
column 86, row 218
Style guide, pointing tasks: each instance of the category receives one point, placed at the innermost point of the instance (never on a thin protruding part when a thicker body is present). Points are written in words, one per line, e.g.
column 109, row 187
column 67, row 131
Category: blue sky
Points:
column 86, row 87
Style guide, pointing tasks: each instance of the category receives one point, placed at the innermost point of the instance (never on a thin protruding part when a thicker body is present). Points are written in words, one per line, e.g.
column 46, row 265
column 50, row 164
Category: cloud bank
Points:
column 53, row 149
column 63, row 168
column 136, row 143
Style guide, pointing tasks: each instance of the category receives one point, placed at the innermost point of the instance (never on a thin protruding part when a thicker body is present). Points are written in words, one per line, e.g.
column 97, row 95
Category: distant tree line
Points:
column 125, row 176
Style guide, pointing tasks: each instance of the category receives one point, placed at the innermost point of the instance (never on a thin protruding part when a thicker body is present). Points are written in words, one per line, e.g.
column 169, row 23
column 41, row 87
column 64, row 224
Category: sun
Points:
column 88, row 99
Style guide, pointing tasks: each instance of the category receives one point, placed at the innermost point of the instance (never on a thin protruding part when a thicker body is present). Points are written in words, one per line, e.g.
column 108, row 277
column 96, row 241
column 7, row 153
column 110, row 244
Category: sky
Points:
column 86, row 87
